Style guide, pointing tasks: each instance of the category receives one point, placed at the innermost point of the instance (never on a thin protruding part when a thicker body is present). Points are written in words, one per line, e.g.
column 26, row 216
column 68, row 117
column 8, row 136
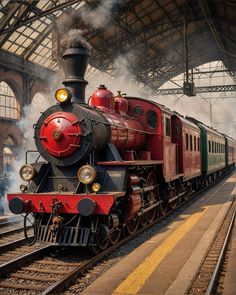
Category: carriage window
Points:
column 191, row 143
column 186, row 141
column 198, row 144
column 151, row 119
column 167, row 126
column 195, row 143
column 209, row 146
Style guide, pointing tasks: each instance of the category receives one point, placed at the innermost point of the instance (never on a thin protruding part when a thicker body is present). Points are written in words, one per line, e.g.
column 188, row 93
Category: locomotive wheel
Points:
column 143, row 220
column 114, row 237
column 173, row 204
column 162, row 208
column 185, row 197
column 100, row 244
column 151, row 215
column 132, row 226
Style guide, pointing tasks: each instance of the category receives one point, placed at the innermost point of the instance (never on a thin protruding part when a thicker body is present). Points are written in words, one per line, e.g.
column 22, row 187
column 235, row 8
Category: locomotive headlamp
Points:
column 27, row 172
column 23, row 188
column 96, row 187
column 63, row 95
column 86, row 174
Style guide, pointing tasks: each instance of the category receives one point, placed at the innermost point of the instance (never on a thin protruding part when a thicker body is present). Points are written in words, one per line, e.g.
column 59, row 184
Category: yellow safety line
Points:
column 135, row 281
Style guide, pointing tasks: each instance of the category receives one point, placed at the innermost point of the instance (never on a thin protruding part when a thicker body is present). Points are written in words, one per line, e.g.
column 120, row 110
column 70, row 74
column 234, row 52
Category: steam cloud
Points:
column 31, row 113
column 73, row 39
column 98, row 17
column 187, row 106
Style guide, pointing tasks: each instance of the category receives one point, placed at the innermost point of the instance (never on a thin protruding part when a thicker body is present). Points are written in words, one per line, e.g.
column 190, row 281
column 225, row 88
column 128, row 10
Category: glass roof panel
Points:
column 6, row 45
column 14, row 36
column 25, row 36
column 20, row 50
column 28, row 31
column 43, row 4
column 27, row 42
column 13, row 47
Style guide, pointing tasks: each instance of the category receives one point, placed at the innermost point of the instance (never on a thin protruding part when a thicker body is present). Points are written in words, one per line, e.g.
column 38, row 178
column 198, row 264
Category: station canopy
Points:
column 150, row 33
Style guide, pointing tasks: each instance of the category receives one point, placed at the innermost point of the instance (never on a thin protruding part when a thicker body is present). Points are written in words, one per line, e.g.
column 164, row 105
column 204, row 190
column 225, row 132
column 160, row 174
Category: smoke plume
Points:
column 99, row 16
column 74, row 39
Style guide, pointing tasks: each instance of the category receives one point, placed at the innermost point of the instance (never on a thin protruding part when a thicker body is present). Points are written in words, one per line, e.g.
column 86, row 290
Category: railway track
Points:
column 209, row 278
column 12, row 237
column 11, row 222
column 39, row 273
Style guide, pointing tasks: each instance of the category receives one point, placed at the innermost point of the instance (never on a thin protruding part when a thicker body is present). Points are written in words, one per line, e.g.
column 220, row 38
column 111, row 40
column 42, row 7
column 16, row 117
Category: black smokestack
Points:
column 74, row 62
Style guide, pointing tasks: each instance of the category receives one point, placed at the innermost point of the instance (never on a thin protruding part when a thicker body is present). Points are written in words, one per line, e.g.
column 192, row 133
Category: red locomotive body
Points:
column 111, row 165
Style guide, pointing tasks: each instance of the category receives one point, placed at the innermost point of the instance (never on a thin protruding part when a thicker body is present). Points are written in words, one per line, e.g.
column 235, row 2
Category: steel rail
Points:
column 10, row 222
column 12, row 231
column 11, row 245
column 17, row 262
column 220, row 259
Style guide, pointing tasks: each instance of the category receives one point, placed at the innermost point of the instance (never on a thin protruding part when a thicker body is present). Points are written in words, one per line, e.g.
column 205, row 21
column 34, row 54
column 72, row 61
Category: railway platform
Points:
column 168, row 262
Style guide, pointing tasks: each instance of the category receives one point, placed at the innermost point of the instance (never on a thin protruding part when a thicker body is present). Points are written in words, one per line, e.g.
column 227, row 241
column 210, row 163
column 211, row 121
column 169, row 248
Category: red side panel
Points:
column 139, row 108
column 187, row 137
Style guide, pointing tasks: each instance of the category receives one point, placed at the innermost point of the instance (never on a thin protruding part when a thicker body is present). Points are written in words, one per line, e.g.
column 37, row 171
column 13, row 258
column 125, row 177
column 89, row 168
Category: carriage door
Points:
column 169, row 149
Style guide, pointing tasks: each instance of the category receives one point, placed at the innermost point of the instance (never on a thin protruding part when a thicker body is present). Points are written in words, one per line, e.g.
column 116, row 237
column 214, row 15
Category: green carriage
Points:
column 213, row 150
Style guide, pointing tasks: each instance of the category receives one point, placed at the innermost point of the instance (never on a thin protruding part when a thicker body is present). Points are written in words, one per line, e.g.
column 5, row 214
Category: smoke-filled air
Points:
column 99, row 16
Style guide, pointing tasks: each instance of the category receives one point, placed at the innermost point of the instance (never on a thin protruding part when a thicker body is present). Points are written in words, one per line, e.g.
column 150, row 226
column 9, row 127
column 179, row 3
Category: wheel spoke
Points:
column 132, row 226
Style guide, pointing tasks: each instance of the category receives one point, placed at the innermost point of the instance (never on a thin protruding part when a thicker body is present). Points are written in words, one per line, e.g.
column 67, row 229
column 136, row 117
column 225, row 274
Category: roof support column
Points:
column 26, row 89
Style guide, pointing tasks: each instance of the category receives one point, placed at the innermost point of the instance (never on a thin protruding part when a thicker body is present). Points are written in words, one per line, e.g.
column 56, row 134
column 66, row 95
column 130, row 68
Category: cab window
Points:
column 151, row 119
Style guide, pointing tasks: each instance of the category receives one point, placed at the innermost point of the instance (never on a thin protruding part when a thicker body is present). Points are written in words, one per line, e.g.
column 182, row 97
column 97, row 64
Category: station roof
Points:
column 148, row 33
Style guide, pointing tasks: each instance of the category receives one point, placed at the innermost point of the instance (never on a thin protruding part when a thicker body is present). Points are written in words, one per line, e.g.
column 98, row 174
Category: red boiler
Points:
column 126, row 133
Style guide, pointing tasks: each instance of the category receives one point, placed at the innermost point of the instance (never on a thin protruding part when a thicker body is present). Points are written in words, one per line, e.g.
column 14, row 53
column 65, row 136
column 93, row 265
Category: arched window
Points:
column 41, row 101
column 9, row 106
column 7, row 159
column 8, row 156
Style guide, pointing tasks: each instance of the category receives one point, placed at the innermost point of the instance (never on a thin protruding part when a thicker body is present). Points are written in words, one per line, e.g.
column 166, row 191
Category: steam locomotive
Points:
column 114, row 164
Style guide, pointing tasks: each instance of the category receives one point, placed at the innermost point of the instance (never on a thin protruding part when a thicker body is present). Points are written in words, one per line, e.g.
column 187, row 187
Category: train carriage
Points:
column 187, row 136
column 230, row 151
column 213, row 150
column 157, row 121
